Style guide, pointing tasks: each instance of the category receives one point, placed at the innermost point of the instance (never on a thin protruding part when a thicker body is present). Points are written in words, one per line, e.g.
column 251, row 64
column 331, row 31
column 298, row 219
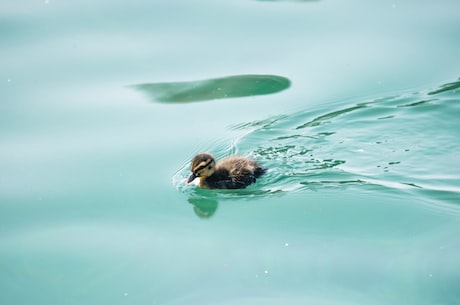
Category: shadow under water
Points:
column 204, row 207
column 215, row 88
column 405, row 144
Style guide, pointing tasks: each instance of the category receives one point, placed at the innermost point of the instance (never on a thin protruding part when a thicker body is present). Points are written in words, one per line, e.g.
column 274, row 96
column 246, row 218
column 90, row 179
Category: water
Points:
column 355, row 114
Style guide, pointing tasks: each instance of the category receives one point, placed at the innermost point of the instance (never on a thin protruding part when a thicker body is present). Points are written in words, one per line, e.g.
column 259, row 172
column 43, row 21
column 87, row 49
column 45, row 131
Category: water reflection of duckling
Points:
column 233, row 172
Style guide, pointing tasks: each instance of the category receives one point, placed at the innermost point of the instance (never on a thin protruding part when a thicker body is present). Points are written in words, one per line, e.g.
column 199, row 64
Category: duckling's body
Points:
column 234, row 172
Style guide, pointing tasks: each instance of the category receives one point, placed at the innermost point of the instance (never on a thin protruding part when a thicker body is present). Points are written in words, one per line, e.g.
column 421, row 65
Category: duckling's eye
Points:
column 209, row 167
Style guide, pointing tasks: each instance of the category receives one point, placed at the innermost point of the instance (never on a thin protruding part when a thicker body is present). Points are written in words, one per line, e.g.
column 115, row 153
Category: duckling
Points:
column 233, row 172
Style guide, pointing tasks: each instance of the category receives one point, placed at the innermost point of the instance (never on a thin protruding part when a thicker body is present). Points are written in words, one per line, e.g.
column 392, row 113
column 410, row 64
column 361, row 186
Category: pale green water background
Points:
column 353, row 106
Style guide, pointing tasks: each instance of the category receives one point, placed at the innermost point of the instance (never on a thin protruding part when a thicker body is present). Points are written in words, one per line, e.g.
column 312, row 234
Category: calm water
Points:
column 352, row 106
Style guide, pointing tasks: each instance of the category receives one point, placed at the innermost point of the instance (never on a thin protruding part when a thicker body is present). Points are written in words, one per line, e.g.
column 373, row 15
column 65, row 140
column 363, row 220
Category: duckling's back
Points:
column 235, row 172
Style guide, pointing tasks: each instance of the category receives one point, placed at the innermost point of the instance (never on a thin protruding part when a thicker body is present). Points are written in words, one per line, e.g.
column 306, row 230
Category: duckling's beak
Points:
column 191, row 178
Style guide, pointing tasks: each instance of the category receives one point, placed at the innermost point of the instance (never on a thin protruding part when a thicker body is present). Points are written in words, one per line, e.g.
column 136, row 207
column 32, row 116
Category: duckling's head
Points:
column 203, row 166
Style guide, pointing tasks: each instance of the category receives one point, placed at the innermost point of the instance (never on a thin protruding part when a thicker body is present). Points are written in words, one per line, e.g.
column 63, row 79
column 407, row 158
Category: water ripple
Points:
column 404, row 144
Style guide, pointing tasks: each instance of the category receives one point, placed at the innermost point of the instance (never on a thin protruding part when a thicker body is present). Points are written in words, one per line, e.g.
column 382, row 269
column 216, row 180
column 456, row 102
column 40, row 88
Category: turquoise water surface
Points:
column 353, row 107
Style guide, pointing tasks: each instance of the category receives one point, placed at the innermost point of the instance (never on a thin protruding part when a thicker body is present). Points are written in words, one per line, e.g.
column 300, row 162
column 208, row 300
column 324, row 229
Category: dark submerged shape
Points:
column 215, row 88
column 234, row 172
